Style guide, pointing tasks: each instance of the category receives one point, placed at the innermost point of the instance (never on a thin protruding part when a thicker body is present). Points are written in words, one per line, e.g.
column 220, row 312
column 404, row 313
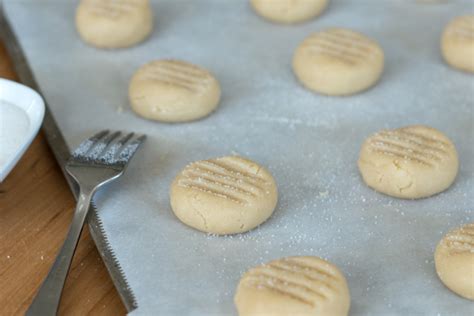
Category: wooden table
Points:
column 36, row 209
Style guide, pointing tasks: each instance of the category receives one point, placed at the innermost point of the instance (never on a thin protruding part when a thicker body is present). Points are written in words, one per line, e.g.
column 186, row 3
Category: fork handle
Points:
column 46, row 301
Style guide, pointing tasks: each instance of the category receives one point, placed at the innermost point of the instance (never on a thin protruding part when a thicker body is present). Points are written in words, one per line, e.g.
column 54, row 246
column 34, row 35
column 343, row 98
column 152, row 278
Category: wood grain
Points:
column 36, row 209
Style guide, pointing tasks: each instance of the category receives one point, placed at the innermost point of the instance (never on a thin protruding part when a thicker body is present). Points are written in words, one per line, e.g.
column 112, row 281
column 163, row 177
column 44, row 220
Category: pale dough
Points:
column 454, row 259
column 289, row 11
column 293, row 286
column 225, row 195
column 173, row 91
column 114, row 23
column 338, row 62
column 410, row 162
column 457, row 43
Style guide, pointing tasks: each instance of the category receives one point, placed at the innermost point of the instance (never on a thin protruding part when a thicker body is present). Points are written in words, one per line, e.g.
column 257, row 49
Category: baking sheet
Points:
column 310, row 143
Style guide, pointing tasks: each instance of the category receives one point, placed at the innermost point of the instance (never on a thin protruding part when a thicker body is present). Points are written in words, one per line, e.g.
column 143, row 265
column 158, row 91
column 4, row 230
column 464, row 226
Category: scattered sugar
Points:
column 112, row 154
column 323, row 194
column 83, row 148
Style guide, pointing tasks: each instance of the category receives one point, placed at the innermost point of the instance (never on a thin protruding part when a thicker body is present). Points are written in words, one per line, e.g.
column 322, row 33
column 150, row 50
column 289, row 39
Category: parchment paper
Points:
column 309, row 142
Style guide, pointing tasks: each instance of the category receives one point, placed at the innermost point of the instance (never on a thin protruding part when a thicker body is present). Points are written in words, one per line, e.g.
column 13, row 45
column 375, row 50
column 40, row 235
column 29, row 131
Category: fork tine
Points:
column 89, row 143
column 111, row 154
column 101, row 146
column 125, row 139
column 128, row 150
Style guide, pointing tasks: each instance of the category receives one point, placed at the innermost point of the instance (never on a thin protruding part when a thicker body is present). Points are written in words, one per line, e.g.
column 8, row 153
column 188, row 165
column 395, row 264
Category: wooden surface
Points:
column 36, row 209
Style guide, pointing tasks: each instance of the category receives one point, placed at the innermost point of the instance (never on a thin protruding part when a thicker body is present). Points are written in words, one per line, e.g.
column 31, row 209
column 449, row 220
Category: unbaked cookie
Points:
column 410, row 162
column 289, row 11
column 454, row 259
column 338, row 62
column 225, row 195
column 457, row 43
column 293, row 286
column 173, row 91
column 114, row 23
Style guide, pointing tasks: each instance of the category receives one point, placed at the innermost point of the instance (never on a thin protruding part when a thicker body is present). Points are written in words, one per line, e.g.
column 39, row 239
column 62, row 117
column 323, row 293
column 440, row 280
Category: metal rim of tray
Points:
column 61, row 152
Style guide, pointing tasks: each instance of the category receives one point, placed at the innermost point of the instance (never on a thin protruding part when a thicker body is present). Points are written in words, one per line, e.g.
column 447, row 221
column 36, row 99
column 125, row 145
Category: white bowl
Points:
column 21, row 115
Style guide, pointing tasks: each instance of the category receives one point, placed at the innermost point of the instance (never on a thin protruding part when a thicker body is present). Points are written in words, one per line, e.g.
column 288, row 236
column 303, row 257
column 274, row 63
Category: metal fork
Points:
column 97, row 161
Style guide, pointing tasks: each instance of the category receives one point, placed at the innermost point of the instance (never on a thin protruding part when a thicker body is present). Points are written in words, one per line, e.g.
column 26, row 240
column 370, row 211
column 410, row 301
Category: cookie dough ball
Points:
column 454, row 259
column 114, row 23
column 173, row 91
column 289, row 11
column 338, row 62
column 457, row 43
column 293, row 286
column 410, row 162
column 225, row 195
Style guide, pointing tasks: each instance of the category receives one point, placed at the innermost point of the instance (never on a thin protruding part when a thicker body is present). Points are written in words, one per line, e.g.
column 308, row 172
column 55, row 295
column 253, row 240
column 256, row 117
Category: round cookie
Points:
column 288, row 11
column 410, row 162
column 173, row 91
column 457, row 43
column 225, row 195
column 293, row 286
column 114, row 23
column 454, row 260
column 338, row 62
